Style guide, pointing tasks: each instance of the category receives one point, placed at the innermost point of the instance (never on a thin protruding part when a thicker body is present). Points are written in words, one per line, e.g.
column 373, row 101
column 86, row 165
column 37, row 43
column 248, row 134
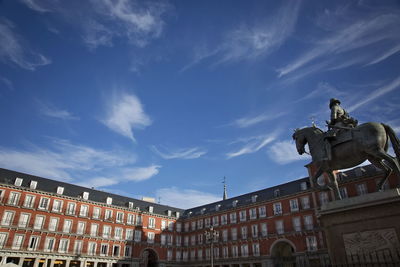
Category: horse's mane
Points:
column 314, row 129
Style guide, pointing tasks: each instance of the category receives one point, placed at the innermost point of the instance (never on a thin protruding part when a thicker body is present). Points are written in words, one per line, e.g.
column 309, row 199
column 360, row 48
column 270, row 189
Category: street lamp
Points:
column 211, row 237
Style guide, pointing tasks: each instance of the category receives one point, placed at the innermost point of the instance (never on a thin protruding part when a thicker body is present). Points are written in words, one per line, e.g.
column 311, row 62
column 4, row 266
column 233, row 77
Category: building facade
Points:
column 54, row 224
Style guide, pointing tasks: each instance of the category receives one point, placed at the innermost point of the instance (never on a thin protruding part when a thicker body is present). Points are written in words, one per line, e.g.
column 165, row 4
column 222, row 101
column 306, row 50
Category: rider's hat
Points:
column 333, row 101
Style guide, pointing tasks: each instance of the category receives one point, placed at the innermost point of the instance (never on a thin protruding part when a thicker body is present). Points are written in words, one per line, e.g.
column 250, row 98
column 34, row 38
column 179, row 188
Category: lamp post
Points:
column 211, row 236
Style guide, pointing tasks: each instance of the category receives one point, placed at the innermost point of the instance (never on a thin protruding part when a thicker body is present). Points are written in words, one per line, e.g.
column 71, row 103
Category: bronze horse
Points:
column 369, row 141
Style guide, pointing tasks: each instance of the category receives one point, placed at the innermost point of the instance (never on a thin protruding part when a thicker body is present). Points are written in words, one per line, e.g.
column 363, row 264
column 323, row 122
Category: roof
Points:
column 70, row 190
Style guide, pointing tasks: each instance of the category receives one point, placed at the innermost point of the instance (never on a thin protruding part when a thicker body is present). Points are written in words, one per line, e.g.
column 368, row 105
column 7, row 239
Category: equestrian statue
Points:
column 347, row 144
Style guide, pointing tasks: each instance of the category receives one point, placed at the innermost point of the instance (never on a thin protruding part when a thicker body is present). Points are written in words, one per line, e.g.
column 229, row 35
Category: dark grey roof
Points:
column 48, row 185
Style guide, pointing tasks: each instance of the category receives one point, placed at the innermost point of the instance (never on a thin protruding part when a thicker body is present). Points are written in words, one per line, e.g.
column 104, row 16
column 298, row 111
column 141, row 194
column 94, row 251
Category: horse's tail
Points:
column 394, row 139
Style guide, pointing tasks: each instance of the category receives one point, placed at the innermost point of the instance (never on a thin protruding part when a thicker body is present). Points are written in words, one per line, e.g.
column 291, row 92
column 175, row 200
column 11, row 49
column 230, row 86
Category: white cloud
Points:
column 385, row 55
column 97, row 34
column 138, row 174
column 7, row 83
column 125, row 113
column 395, row 84
column 250, row 121
column 35, row 6
column 53, row 112
column 252, row 145
column 182, row 153
column 284, row 152
column 13, row 49
column 185, row 198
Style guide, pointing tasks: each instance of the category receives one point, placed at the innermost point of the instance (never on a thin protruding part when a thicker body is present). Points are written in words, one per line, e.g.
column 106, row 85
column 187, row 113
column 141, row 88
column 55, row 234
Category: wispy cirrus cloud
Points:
column 124, row 113
column 185, row 198
column 54, row 112
column 35, row 5
column 250, row 42
column 7, row 83
column 347, row 44
column 180, row 153
column 14, row 50
column 284, row 152
column 245, row 122
column 252, row 145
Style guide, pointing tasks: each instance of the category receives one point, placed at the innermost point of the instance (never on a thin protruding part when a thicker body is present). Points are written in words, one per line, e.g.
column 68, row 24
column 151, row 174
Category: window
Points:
column 277, row 208
column 254, row 198
column 323, row 198
column 253, row 213
column 163, row 239
column 138, row 235
column 18, row 240
column 53, row 224
column 107, row 231
column 130, row 219
column 193, row 240
column 186, row 226
column 203, row 210
column 44, row 203
column 39, row 222
column 104, row 250
column 131, row 205
column 277, row 193
column 23, row 219
column 305, row 202
column 225, row 235
column 116, row 250
column 63, row 246
column 234, row 233
column 178, row 227
column 85, row 195
column 193, row 225
column 108, row 215
column 215, row 221
column 84, row 211
column 129, row 234
column 234, row 203
column 29, row 201
column 60, row 190
column 163, row 224
column 178, row 240
column 244, row 232
column 92, row 248
column 96, row 213
column 264, row 229
column 8, row 217
column 120, row 217
column 171, row 225
column 80, row 229
column 303, row 186
column 57, row 205
column 232, row 217
column 217, row 207
column 33, row 185
column 308, row 222
column 234, row 251
column 224, row 219
column 118, row 233
column 311, row 242
column 343, row 192
column 200, row 254
column 256, row 249
column 13, row 198
column 139, row 219
column 186, row 241
column 169, row 255
column 216, row 252
column 262, row 211
column 94, row 228
column 361, row 189
column 150, row 237
column 151, row 209
column 128, row 251
column 294, row 205
column 71, row 208
column 49, row 244
column 225, row 253
column 242, row 215
column 254, row 230
column 296, row 224
column 279, row 227
column 33, row 243
column 207, row 222
column 109, row 200
column 78, row 247
column 169, row 239
column 244, row 250
column 177, row 214
column 3, row 239
column 67, row 226
column 200, row 239
column 152, row 223
column 18, row 181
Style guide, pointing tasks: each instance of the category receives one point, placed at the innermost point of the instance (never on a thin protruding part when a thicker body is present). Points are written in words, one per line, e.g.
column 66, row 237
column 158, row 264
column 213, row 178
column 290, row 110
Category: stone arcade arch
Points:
column 149, row 258
column 282, row 253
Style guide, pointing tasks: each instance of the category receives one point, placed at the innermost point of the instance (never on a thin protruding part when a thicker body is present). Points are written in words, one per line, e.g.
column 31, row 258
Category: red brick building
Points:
column 50, row 223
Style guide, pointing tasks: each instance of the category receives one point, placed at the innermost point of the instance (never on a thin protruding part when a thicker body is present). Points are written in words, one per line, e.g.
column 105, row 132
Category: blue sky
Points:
column 163, row 99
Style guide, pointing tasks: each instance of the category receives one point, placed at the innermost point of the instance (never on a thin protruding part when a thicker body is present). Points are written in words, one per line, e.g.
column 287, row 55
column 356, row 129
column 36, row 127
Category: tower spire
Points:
column 225, row 195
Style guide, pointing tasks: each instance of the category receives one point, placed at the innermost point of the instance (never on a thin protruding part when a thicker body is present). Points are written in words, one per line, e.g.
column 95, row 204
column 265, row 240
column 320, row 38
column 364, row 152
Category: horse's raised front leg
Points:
column 334, row 185
column 381, row 165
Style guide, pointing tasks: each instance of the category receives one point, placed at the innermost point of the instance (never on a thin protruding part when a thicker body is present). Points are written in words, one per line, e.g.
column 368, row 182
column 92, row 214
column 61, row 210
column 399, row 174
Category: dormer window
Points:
column 234, row 203
column 109, row 200
column 217, row 207
column 254, row 198
column 151, row 209
column 203, row 210
column 303, row 186
column 18, row 181
column 277, row 193
column 85, row 195
column 130, row 205
column 60, row 190
column 169, row 213
column 177, row 214
column 33, row 185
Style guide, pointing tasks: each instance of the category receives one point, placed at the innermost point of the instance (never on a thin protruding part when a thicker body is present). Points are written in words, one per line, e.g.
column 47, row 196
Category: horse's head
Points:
column 300, row 140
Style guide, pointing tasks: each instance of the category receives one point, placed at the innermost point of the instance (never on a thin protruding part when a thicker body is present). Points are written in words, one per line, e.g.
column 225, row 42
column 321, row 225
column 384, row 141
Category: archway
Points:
column 282, row 254
column 149, row 258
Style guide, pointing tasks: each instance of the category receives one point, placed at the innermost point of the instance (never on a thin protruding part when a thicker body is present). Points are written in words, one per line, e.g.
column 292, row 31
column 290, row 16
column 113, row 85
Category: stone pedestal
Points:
column 362, row 225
